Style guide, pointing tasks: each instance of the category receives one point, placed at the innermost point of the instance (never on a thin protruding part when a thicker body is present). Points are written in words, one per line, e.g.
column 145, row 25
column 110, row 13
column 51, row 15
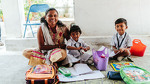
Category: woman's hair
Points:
column 121, row 20
column 74, row 28
column 59, row 23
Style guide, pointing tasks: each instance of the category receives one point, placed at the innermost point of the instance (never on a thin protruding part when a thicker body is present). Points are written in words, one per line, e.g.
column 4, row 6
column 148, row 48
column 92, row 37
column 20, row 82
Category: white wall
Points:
column 13, row 13
column 97, row 17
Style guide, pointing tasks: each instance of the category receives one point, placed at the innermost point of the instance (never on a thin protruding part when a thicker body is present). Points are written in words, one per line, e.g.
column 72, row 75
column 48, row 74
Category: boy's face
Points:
column 75, row 35
column 120, row 28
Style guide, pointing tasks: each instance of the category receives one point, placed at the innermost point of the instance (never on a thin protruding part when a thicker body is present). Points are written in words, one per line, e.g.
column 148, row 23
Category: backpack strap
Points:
column 32, row 81
column 46, row 81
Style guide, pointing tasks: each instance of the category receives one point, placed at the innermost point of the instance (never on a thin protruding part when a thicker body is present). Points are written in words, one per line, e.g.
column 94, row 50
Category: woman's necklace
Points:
column 53, row 29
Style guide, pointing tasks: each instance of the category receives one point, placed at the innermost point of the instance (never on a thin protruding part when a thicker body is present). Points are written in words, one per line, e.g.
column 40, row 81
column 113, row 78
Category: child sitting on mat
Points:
column 75, row 48
column 121, row 41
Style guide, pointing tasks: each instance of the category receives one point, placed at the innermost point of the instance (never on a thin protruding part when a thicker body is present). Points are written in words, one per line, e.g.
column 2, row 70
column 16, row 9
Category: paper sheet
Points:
column 79, row 69
column 82, row 68
column 93, row 75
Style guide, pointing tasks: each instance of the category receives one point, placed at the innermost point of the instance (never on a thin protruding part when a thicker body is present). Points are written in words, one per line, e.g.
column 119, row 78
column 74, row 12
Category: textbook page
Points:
column 93, row 75
column 73, row 71
column 82, row 68
column 79, row 69
column 63, row 78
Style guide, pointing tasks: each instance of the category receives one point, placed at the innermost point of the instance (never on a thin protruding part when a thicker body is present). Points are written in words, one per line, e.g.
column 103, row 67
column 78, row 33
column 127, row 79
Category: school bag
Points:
column 135, row 75
column 42, row 74
column 100, row 58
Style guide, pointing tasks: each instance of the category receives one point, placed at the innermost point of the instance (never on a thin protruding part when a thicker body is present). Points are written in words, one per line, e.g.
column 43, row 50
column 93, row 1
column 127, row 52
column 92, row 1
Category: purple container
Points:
column 100, row 62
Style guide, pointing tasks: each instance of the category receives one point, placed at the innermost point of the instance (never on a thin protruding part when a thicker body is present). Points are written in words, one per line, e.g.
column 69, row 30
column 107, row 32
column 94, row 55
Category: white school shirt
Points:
column 127, row 42
column 73, row 43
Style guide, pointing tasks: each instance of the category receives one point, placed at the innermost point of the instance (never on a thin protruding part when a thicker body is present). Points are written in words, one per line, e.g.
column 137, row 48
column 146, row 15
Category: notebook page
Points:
column 82, row 68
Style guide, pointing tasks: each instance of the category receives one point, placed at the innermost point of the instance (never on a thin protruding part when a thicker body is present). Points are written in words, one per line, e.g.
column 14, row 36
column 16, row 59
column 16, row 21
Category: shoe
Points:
column 1, row 43
column 120, row 58
column 129, row 58
column 70, row 64
column 112, row 58
column 89, row 62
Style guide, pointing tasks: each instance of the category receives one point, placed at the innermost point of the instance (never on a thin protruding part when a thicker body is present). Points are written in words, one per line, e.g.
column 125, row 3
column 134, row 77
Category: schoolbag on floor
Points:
column 42, row 74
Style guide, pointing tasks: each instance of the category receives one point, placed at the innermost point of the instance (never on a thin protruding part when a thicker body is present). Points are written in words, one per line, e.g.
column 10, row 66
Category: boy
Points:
column 121, row 41
column 75, row 47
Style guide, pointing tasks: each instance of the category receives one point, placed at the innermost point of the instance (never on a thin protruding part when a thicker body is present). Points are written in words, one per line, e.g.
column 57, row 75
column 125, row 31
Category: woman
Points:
column 50, row 35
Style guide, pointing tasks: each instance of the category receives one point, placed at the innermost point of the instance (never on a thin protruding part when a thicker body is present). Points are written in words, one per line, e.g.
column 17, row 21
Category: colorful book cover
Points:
column 117, row 66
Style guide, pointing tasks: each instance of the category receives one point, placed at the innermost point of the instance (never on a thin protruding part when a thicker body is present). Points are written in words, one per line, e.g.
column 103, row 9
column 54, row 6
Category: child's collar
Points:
column 121, row 35
column 74, row 40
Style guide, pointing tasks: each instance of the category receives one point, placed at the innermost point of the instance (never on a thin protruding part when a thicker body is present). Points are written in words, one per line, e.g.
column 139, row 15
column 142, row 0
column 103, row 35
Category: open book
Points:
column 79, row 69
column 80, row 72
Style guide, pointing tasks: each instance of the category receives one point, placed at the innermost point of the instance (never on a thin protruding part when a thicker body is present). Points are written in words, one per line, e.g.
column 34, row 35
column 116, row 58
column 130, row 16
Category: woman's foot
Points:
column 55, row 64
column 1, row 43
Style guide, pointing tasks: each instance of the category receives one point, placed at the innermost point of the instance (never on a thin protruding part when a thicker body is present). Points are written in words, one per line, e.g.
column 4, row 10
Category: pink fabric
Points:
column 54, row 53
column 38, row 57
column 38, row 52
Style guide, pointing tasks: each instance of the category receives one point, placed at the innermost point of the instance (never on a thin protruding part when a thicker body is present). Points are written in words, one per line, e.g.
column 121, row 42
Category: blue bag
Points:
column 114, row 75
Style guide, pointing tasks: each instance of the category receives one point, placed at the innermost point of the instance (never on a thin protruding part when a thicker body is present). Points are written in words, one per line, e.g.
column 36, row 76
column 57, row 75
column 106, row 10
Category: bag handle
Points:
column 105, row 53
column 136, row 41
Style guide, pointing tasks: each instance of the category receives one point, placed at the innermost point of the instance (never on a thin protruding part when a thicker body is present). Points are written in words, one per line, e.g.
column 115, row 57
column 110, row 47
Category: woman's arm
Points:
column 66, row 34
column 40, row 39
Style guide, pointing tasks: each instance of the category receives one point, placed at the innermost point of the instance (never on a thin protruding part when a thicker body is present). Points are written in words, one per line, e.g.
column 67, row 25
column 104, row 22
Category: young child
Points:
column 121, row 41
column 76, row 46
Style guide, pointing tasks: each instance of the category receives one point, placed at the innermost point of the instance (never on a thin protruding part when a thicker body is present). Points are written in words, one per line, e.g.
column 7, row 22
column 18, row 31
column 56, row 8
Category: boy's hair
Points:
column 121, row 20
column 75, row 28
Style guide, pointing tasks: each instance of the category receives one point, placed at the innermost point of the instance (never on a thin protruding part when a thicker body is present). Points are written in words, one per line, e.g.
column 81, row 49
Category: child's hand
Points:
column 79, row 48
column 116, row 51
column 85, row 49
column 122, row 49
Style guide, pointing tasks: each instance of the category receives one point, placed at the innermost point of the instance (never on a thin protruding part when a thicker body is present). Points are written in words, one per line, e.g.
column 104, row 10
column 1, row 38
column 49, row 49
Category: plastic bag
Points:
column 100, row 58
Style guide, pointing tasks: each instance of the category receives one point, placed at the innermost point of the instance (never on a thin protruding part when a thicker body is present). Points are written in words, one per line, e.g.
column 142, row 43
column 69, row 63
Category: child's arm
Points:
column 74, row 48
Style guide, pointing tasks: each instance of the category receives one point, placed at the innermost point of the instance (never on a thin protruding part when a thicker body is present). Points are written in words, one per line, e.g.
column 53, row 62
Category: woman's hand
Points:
column 62, row 46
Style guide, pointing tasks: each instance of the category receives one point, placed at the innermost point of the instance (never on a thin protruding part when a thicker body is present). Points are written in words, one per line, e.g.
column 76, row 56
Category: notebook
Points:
column 117, row 66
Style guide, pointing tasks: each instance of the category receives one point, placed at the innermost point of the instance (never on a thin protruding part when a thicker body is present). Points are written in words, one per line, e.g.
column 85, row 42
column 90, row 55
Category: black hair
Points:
column 75, row 28
column 59, row 23
column 121, row 20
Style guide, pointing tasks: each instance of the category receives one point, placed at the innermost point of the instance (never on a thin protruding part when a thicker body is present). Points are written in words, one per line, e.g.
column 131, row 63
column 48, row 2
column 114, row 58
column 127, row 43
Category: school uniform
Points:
column 121, row 41
column 76, row 55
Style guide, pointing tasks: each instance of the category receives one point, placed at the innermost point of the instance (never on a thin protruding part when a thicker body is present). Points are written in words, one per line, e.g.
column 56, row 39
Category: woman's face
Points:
column 52, row 18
